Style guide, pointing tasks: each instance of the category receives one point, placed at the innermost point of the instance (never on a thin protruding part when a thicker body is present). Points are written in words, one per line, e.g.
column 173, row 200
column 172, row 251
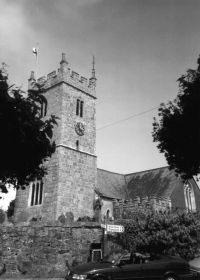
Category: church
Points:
column 73, row 183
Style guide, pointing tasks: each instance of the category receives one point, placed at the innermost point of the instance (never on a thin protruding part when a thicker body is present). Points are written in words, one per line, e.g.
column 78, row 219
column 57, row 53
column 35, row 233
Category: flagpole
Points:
column 36, row 53
column 36, row 66
column 36, row 61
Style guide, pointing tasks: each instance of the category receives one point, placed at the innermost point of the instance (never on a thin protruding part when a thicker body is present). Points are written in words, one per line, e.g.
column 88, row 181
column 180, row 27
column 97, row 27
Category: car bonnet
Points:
column 89, row 267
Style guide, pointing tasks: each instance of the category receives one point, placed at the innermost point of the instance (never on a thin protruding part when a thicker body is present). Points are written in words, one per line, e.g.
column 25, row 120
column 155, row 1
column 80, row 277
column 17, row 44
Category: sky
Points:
column 141, row 48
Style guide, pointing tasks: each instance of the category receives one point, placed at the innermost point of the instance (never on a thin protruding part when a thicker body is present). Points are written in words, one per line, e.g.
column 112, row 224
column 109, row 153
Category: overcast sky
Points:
column 141, row 47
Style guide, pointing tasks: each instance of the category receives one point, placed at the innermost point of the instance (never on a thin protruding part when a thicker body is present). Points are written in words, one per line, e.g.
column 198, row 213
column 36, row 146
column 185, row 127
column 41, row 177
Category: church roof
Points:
column 110, row 184
column 159, row 182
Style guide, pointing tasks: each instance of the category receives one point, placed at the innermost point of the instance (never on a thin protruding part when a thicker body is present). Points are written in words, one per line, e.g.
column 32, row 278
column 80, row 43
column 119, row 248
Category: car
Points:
column 195, row 267
column 132, row 267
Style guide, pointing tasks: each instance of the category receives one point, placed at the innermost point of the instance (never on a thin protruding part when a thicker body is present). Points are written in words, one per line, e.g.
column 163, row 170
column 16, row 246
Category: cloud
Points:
column 12, row 27
column 86, row 2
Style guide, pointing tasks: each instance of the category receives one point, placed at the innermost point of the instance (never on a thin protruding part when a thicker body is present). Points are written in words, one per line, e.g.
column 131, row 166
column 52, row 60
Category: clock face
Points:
column 80, row 128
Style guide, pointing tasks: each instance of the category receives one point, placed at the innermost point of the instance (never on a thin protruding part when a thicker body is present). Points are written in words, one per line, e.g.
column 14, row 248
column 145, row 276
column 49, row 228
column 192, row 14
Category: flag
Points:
column 35, row 51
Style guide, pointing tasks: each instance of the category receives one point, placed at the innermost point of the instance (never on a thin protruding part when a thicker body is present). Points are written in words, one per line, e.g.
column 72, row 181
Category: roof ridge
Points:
column 111, row 172
column 157, row 168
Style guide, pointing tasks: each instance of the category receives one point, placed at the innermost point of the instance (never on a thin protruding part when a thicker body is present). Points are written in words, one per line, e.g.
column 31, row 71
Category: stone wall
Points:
column 71, row 171
column 76, row 183
column 122, row 206
column 36, row 250
column 24, row 212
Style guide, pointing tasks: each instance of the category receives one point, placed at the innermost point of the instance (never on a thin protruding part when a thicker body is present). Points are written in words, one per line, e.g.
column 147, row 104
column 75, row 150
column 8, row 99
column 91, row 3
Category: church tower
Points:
column 72, row 171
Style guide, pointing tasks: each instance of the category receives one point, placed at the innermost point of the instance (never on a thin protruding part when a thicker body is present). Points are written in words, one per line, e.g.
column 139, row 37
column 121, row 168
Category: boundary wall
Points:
column 36, row 250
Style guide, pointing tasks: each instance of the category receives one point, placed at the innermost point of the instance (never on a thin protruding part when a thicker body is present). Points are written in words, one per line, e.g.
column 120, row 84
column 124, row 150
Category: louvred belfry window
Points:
column 79, row 108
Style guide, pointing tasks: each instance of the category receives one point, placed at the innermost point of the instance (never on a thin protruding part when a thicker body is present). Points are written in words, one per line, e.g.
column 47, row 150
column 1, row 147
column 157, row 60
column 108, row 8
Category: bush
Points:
column 11, row 208
column 86, row 219
column 171, row 233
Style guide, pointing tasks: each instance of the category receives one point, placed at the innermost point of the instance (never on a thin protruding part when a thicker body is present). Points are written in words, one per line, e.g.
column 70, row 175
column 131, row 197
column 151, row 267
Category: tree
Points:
column 26, row 139
column 178, row 130
column 10, row 210
column 169, row 233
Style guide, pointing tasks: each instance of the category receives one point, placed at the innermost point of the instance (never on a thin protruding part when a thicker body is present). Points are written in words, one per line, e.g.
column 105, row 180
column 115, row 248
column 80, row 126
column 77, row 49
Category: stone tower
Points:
column 72, row 171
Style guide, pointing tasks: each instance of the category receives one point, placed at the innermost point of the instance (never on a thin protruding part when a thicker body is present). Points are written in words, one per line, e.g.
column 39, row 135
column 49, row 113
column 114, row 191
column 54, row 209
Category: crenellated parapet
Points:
column 68, row 76
column 120, row 207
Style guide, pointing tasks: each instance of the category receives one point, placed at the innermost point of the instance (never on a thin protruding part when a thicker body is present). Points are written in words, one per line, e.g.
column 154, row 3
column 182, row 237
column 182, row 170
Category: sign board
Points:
column 114, row 228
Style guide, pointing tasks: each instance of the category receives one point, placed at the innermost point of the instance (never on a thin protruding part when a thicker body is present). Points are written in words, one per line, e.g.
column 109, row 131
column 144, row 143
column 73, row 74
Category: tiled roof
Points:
column 158, row 182
column 110, row 184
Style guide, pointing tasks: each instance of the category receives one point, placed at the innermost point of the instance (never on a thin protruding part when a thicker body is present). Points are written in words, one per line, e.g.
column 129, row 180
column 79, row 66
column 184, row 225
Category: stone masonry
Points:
column 45, row 251
column 72, row 170
column 121, row 208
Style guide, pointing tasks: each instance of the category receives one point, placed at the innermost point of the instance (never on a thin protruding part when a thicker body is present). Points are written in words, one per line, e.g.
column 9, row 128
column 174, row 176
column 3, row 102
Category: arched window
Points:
column 79, row 108
column 77, row 145
column 43, row 109
column 41, row 192
column 189, row 197
column 36, row 193
column 32, row 194
column 108, row 214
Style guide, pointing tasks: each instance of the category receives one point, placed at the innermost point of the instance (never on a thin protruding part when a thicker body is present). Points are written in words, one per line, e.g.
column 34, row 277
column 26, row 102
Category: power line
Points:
column 131, row 117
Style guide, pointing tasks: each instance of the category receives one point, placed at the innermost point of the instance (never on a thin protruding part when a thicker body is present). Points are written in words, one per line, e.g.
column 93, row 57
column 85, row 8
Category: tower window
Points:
column 77, row 145
column 79, row 108
column 189, row 198
column 43, row 109
column 36, row 193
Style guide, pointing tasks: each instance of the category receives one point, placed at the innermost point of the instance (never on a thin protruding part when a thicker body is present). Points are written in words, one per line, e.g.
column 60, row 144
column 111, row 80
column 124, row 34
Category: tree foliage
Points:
column 11, row 208
column 26, row 138
column 178, row 129
column 169, row 233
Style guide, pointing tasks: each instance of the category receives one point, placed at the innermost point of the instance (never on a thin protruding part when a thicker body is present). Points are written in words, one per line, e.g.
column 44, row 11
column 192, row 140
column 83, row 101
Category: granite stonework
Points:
column 24, row 212
column 72, row 170
column 45, row 251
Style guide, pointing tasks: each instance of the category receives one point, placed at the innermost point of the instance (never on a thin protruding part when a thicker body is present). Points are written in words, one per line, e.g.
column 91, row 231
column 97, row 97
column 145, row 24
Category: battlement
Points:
column 65, row 74
column 151, row 202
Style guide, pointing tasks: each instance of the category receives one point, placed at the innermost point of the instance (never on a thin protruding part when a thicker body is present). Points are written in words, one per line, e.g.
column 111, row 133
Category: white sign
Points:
column 114, row 228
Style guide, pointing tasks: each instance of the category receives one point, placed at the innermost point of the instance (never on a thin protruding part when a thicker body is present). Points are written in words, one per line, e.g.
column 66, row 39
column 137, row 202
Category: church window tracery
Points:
column 189, row 197
column 36, row 193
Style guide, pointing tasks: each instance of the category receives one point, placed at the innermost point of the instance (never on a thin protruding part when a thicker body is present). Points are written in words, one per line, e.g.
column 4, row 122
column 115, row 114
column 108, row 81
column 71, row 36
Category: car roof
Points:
column 195, row 263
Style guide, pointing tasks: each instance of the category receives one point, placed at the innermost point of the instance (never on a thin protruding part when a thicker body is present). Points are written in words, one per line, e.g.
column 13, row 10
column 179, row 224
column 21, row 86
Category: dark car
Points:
column 195, row 267
column 134, row 266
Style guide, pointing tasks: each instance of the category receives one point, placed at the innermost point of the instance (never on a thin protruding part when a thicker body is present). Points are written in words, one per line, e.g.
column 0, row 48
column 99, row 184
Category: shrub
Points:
column 172, row 233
